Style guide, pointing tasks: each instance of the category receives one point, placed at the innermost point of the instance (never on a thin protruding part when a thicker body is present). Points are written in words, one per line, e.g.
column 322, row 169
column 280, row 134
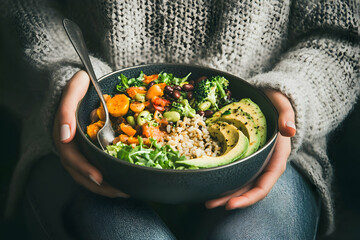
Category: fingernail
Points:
column 290, row 124
column 94, row 180
column 64, row 132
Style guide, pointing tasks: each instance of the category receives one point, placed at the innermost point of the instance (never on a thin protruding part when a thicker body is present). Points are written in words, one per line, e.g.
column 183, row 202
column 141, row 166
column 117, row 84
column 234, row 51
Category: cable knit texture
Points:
column 309, row 50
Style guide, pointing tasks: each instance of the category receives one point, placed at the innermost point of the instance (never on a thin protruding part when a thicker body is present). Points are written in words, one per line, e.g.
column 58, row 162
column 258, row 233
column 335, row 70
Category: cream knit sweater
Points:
column 309, row 50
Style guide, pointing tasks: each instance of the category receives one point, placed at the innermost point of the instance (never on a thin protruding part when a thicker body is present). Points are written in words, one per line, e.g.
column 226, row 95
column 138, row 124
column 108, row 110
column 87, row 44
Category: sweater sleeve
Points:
column 320, row 71
column 48, row 53
column 46, row 49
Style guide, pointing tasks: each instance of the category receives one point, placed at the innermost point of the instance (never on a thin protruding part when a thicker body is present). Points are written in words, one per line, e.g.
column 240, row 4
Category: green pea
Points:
column 205, row 106
column 172, row 116
column 131, row 120
column 140, row 97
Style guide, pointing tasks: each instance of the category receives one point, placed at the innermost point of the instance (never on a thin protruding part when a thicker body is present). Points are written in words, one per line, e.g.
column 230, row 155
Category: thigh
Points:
column 290, row 211
column 56, row 207
column 91, row 216
column 48, row 190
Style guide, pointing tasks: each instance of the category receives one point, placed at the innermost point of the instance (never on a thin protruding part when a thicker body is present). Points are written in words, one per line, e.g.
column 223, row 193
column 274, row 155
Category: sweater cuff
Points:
column 292, row 87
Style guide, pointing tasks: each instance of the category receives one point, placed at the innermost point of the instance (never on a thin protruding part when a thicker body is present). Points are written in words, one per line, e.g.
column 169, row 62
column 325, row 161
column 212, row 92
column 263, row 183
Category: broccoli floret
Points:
column 132, row 82
column 211, row 90
column 183, row 107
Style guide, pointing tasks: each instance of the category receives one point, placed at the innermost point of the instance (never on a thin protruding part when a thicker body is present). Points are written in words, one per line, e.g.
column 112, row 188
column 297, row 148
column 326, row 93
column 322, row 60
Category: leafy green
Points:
column 132, row 82
column 156, row 156
column 169, row 79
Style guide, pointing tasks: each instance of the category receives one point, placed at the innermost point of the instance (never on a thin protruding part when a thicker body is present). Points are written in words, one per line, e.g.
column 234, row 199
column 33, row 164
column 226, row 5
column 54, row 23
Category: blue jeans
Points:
column 56, row 208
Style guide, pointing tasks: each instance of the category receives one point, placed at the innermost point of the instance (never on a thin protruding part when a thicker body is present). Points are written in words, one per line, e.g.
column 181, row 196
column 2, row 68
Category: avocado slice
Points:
column 243, row 121
column 225, row 134
column 235, row 147
column 247, row 105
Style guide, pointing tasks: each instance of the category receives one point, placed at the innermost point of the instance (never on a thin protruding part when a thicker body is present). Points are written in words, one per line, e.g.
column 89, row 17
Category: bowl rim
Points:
column 187, row 171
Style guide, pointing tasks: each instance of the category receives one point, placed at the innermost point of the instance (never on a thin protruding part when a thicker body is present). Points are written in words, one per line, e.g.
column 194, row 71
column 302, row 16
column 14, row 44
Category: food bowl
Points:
column 176, row 186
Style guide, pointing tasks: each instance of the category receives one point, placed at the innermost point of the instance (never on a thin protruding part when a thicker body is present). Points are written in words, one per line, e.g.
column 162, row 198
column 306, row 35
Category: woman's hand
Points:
column 258, row 189
column 64, row 131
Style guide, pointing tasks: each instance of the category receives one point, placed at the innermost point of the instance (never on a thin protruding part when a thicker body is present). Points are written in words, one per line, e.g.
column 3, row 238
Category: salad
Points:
column 148, row 111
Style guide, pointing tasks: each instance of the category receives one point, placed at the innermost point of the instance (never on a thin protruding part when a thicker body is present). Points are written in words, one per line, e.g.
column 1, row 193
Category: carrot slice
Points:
column 123, row 138
column 132, row 91
column 100, row 110
column 133, row 140
column 137, row 107
column 93, row 129
column 127, row 129
column 118, row 105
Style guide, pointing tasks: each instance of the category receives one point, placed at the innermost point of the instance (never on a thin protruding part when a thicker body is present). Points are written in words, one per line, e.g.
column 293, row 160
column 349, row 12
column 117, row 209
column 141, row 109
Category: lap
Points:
column 290, row 211
column 60, row 209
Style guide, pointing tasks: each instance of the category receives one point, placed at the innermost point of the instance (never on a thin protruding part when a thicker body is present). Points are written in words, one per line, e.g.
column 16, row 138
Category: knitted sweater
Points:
column 308, row 50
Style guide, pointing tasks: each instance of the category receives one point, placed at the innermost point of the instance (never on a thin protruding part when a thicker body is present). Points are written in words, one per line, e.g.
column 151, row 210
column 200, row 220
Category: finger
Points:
column 267, row 179
column 73, row 93
column 223, row 200
column 286, row 120
column 72, row 158
column 105, row 189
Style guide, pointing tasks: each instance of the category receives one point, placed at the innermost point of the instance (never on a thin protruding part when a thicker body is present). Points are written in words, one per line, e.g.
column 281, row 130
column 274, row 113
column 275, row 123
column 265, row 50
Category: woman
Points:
column 304, row 54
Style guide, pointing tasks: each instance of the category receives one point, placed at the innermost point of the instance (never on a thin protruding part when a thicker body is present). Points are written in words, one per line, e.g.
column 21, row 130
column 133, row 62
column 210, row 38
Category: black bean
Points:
column 189, row 95
column 168, row 89
column 177, row 87
column 208, row 113
column 150, row 84
column 176, row 94
column 188, row 87
column 201, row 113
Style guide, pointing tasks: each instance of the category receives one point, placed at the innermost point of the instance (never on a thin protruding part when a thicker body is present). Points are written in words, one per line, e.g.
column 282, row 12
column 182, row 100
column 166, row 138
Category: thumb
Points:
column 73, row 93
column 286, row 121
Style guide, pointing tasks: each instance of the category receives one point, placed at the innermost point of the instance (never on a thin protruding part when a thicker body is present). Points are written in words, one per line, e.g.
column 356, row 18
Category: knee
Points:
column 91, row 216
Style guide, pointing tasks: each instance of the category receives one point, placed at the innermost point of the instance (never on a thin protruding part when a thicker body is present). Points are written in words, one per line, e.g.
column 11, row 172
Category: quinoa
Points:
column 191, row 138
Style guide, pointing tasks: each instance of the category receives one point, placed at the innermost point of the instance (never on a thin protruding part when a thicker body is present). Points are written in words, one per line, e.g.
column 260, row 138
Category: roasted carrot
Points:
column 127, row 129
column 133, row 140
column 93, row 129
column 132, row 91
column 137, row 107
column 118, row 105
column 100, row 110
column 123, row 138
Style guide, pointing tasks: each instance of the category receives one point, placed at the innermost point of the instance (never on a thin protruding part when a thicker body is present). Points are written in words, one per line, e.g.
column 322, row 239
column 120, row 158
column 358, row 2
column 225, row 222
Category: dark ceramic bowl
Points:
column 176, row 186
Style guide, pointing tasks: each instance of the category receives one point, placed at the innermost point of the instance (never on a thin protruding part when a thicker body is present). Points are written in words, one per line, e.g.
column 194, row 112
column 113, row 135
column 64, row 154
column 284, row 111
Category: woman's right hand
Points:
column 63, row 133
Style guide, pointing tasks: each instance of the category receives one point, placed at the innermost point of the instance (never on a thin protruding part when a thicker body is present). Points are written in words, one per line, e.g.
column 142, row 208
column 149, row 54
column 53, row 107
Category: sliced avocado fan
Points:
column 233, row 149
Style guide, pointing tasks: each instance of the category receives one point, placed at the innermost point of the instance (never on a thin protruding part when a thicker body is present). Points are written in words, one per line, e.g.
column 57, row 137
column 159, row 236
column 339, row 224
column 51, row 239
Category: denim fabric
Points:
column 290, row 211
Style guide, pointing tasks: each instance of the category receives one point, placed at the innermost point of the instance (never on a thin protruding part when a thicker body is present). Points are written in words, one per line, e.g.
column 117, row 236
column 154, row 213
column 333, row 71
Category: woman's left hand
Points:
column 261, row 186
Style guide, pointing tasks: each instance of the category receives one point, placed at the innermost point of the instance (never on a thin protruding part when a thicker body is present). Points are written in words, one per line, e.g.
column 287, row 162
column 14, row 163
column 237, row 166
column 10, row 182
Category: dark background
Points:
column 344, row 150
